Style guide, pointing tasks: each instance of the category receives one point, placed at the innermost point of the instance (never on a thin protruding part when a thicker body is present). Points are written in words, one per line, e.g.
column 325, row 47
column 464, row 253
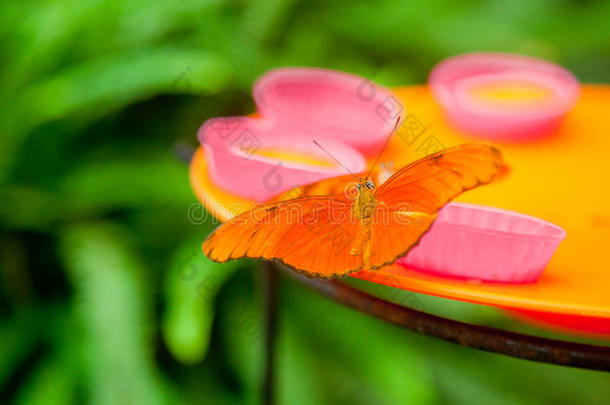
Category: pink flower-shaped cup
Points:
column 329, row 103
column 503, row 96
column 258, row 159
column 470, row 241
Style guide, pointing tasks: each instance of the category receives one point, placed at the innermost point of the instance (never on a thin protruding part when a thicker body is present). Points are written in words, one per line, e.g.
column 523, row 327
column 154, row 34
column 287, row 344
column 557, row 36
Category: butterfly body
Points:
column 365, row 201
column 362, row 211
column 329, row 235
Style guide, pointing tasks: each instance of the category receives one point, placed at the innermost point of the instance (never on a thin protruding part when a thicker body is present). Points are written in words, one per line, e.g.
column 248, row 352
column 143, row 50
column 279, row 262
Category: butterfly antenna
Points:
column 384, row 146
column 333, row 158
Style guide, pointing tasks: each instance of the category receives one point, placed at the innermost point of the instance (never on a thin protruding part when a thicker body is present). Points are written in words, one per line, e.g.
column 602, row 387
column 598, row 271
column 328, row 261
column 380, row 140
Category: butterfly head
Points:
column 366, row 184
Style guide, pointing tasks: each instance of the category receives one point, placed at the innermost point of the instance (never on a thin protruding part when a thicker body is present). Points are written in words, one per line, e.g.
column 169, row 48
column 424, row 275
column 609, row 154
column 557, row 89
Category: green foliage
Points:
column 354, row 367
column 110, row 289
column 105, row 297
column 242, row 330
column 190, row 289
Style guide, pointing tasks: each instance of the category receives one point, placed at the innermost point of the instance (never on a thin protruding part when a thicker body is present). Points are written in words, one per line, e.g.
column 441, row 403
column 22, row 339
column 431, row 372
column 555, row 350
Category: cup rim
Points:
column 558, row 233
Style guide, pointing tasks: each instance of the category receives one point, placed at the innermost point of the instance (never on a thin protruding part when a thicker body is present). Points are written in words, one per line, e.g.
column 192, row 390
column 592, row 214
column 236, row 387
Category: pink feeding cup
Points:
column 503, row 96
column 470, row 241
column 258, row 159
column 328, row 103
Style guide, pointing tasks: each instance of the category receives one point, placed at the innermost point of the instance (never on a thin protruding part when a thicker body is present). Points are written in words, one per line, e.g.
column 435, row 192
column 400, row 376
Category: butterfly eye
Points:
column 369, row 185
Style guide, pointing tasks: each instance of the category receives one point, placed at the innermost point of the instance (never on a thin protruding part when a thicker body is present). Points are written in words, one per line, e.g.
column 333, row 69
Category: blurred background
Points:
column 104, row 296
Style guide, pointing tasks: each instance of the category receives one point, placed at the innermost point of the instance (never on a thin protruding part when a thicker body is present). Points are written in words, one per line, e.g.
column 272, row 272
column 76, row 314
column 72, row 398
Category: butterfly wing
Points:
column 412, row 196
column 393, row 237
column 312, row 235
column 431, row 182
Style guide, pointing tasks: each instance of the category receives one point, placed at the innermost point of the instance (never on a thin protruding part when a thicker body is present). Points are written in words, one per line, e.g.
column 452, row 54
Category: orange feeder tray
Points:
column 563, row 178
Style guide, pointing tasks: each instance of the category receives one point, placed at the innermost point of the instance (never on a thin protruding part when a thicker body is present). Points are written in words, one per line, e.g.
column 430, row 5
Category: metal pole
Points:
column 512, row 344
column 270, row 291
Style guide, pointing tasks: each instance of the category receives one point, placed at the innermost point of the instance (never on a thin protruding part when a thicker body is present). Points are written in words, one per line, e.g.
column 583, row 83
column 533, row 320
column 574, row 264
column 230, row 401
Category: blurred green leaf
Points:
column 297, row 370
column 116, row 310
column 26, row 207
column 379, row 357
column 97, row 87
column 190, row 287
column 57, row 377
column 243, row 331
column 51, row 30
column 20, row 334
column 53, row 381
column 129, row 182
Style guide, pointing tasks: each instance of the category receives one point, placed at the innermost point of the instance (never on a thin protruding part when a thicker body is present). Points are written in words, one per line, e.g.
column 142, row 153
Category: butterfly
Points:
column 325, row 233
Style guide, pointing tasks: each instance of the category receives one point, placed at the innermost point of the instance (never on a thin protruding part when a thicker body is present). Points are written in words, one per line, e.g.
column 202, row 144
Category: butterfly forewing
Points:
column 310, row 234
column 408, row 201
column 433, row 181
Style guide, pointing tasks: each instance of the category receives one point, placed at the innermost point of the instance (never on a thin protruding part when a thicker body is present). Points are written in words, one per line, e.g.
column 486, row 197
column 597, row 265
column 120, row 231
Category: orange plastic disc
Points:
column 564, row 179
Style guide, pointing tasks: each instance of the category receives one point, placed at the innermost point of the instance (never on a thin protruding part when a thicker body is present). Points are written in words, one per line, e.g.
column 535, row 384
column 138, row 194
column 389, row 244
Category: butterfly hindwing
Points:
column 393, row 234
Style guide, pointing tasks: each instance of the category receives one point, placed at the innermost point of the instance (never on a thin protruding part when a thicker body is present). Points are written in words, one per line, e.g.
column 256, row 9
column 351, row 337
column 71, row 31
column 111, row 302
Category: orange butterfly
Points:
column 332, row 235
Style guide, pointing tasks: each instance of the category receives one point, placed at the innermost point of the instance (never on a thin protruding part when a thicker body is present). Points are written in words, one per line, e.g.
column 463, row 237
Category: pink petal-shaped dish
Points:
column 503, row 96
column 470, row 241
column 258, row 159
column 328, row 103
